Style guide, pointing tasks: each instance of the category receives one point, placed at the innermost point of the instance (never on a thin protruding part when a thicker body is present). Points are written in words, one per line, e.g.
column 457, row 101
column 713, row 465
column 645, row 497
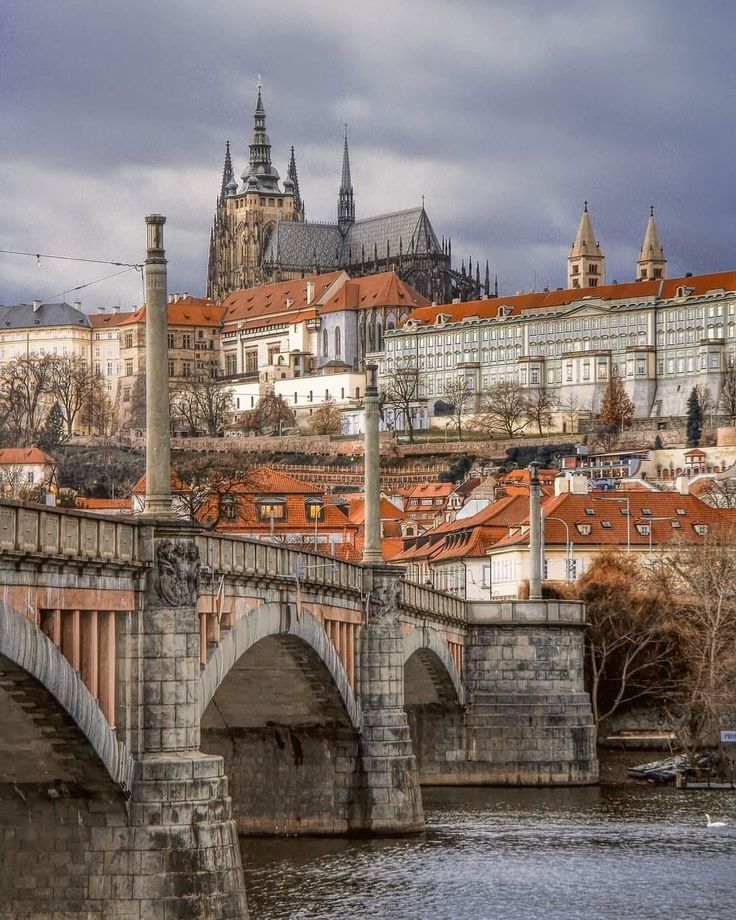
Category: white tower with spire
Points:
column 585, row 264
column 651, row 264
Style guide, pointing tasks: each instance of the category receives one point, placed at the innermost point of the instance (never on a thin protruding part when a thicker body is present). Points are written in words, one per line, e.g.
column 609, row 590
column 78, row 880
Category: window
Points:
column 606, row 525
column 583, row 528
column 129, row 368
column 590, row 512
column 172, row 340
column 268, row 509
column 128, row 340
column 644, row 529
column 700, row 529
column 186, row 340
column 186, row 368
column 338, row 343
column 228, row 507
column 172, row 370
column 325, row 343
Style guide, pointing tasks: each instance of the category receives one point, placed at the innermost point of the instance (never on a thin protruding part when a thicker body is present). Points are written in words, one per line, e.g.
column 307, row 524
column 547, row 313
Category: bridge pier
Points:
column 391, row 802
column 528, row 720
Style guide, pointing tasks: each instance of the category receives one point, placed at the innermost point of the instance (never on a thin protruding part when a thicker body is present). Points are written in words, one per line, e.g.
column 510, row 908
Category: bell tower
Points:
column 585, row 264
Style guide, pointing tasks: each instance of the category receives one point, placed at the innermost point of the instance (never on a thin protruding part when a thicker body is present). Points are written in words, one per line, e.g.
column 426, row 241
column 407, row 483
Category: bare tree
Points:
column 24, row 391
column 204, row 403
column 462, row 397
column 327, row 418
column 728, row 389
column 73, row 385
column 630, row 641
column 270, row 415
column 401, row 393
column 570, row 405
column 699, row 582
column 503, row 408
column 617, row 409
column 720, row 493
column 540, row 404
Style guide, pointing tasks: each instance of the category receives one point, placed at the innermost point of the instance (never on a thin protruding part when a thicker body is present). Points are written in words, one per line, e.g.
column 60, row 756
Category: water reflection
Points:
column 490, row 854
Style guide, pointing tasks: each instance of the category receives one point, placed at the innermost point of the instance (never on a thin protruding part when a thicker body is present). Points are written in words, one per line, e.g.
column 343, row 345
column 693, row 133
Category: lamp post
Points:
column 568, row 544
column 648, row 520
column 627, row 500
column 535, row 535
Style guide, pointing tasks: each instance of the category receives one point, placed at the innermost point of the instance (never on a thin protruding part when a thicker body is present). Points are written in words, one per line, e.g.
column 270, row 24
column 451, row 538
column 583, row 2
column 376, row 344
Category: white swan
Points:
column 714, row 823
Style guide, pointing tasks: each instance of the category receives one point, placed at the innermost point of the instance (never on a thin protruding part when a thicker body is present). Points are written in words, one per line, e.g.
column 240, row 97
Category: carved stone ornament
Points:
column 385, row 606
column 176, row 573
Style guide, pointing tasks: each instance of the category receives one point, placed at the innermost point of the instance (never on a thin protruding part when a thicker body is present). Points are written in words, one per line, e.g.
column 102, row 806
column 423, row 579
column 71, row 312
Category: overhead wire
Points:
column 46, row 255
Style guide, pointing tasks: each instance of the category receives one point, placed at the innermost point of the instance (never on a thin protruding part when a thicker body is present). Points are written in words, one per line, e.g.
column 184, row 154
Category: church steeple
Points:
column 585, row 266
column 345, row 201
column 651, row 263
column 291, row 176
column 260, row 170
column 227, row 172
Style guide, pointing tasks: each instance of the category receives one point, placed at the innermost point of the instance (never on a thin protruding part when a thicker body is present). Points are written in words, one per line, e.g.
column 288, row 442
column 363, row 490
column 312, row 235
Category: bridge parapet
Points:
column 418, row 599
column 522, row 612
column 64, row 534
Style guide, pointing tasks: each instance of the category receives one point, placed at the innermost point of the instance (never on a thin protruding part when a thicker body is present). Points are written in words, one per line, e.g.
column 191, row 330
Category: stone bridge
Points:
column 164, row 689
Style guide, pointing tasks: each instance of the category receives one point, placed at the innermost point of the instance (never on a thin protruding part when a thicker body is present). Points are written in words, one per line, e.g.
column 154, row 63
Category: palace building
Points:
column 260, row 233
column 660, row 336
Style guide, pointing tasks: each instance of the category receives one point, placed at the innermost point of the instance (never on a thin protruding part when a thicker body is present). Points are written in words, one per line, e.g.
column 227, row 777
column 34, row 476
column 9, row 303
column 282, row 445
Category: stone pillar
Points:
column 158, row 445
column 372, row 472
column 184, row 838
column 535, row 535
column 391, row 802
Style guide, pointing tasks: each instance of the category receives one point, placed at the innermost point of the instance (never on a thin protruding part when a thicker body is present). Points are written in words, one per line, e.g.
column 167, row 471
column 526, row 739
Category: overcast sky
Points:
column 505, row 115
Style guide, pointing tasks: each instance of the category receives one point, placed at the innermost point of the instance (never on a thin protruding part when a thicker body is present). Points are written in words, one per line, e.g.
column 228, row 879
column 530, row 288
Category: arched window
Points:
column 338, row 344
column 379, row 336
column 325, row 343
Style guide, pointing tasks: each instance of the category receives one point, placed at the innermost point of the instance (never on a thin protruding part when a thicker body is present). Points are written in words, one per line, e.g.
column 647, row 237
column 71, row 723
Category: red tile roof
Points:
column 633, row 291
column 102, row 320
column 383, row 290
column 189, row 311
column 284, row 299
column 18, row 455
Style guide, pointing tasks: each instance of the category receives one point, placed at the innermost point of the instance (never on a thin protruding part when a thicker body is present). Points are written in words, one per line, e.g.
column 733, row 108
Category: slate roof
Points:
column 23, row 316
column 301, row 245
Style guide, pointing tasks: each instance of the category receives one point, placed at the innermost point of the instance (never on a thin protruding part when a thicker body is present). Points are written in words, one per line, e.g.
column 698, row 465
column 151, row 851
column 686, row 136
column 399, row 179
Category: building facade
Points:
column 661, row 336
column 259, row 233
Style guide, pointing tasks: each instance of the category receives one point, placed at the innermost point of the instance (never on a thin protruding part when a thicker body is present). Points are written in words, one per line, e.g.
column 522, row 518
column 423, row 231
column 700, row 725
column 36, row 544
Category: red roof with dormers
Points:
column 600, row 519
column 109, row 320
column 492, row 308
column 285, row 300
column 186, row 311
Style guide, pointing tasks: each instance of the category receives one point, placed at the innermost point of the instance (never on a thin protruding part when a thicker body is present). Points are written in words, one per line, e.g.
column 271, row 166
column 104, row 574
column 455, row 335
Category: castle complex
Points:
column 660, row 336
column 260, row 233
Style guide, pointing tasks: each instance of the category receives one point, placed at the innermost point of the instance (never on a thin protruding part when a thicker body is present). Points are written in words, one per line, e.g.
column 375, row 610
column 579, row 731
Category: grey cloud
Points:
column 506, row 116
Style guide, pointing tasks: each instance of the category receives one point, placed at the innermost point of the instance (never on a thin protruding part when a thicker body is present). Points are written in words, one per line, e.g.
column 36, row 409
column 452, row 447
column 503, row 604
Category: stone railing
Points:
column 246, row 557
column 519, row 612
column 66, row 534
column 426, row 601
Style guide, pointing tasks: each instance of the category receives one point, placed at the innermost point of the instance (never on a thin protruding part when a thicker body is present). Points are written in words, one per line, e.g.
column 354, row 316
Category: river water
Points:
column 511, row 854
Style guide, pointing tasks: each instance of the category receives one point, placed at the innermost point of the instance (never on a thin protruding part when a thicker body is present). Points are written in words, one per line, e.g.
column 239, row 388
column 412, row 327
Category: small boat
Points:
column 667, row 770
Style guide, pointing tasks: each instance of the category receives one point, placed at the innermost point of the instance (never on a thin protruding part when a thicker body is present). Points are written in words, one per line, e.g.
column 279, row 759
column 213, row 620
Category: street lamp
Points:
column 569, row 560
column 627, row 500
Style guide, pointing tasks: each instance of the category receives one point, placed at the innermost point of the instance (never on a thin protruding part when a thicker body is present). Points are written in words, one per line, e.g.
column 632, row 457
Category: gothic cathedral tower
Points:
column 245, row 215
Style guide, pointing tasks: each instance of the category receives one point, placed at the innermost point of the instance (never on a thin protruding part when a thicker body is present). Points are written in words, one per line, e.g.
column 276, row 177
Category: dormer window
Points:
column 583, row 528
column 271, row 509
column 647, row 512
column 701, row 529
column 606, row 525
column 680, row 511
column 644, row 529
column 590, row 512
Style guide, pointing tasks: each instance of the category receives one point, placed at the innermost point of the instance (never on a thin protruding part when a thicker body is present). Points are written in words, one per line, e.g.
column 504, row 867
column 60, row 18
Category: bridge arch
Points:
column 25, row 650
column 276, row 620
column 278, row 707
column 434, row 704
column 432, row 650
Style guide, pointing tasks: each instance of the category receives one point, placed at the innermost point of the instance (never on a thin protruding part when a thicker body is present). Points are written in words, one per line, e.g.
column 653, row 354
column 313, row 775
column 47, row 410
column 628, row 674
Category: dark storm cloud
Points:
column 505, row 115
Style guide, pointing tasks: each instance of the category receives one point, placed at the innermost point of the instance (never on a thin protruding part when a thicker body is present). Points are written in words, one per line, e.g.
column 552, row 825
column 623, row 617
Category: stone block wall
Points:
column 290, row 780
column 528, row 720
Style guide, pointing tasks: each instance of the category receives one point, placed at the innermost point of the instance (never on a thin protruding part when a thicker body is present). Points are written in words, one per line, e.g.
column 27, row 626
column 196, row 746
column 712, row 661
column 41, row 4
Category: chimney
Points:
column 116, row 309
column 36, row 306
column 562, row 485
column 99, row 309
column 78, row 306
column 310, row 292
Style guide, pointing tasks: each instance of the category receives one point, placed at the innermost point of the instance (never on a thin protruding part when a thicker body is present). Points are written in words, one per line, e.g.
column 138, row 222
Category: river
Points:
column 512, row 854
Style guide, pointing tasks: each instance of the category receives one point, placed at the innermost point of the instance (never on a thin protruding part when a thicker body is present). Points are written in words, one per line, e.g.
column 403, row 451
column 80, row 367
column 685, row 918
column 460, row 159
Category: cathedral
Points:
column 260, row 233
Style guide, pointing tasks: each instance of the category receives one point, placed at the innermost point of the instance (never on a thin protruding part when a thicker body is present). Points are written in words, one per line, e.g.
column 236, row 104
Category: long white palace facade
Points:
column 661, row 336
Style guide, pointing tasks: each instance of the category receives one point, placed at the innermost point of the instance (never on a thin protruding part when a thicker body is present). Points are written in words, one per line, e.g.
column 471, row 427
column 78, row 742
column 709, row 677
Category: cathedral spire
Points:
column 345, row 201
column 260, row 170
column 585, row 262
column 292, row 175
column 227, row 172
column 651, row 263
